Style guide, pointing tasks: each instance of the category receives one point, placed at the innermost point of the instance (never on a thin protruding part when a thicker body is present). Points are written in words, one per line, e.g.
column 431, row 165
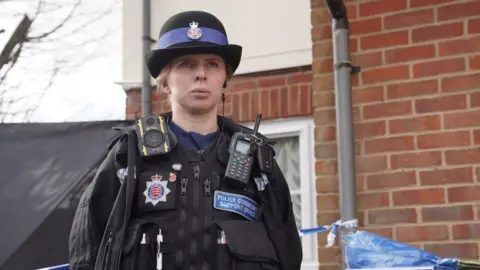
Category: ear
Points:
column 164, row 85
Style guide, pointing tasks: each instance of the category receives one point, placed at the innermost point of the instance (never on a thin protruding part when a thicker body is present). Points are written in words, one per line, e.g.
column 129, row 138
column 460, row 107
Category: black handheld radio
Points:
column 153, row 135
column 242, row 155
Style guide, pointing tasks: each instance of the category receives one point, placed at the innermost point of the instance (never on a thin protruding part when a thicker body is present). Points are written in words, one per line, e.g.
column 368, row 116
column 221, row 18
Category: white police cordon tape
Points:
column 333, row 230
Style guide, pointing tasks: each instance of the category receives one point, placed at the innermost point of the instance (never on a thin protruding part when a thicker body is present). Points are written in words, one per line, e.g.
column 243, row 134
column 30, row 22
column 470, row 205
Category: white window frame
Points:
column 303, row 127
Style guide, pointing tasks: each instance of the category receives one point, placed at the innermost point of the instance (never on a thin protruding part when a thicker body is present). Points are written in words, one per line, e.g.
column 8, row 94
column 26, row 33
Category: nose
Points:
column 200, row 73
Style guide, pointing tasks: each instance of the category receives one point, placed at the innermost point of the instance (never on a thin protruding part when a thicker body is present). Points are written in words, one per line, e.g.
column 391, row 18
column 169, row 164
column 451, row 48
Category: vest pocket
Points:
column 247, row 247
column 140, row 247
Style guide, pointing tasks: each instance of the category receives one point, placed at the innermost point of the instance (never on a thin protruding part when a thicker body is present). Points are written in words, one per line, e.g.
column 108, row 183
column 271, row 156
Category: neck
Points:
column 204, row 123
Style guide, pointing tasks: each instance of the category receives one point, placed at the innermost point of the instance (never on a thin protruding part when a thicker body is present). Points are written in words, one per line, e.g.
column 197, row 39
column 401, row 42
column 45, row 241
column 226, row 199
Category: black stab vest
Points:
column 181, row 204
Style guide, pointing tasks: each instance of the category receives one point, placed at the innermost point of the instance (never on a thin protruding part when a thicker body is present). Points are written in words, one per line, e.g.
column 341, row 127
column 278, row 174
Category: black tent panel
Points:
column 40, row 165
column 48, row 244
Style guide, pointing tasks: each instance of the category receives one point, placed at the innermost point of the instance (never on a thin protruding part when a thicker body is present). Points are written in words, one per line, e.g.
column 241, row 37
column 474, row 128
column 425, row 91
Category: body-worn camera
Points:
column 153, row 135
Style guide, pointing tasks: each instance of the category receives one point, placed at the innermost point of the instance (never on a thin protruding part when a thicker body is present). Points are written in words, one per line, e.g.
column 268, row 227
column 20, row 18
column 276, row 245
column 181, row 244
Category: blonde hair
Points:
column 162, row 77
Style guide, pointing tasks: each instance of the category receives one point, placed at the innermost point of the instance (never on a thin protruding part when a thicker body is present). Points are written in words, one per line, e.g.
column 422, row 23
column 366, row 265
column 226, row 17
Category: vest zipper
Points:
column 195, row 225
column 183, row 187
column 201, row 153
column 196, row 171
column 207, row 184
column 210, row 233
column 183, row 220
column 196, row 184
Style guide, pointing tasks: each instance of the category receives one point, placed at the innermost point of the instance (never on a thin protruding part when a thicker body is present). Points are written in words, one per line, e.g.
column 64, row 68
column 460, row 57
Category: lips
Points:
column 201, row 91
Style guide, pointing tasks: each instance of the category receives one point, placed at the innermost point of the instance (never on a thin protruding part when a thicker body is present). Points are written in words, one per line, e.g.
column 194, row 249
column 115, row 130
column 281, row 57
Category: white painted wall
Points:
column 274, row 33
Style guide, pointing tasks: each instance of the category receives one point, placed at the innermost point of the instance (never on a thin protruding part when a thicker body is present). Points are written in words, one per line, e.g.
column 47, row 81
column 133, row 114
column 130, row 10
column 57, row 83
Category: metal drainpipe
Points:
column 146, row 81
column 343, row 98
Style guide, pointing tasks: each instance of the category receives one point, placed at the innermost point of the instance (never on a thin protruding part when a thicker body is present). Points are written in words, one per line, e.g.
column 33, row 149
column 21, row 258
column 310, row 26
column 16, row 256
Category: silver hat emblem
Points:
column 194, row 32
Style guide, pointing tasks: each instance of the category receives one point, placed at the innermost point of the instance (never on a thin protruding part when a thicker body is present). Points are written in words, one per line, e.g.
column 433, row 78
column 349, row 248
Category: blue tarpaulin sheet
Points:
column 365, row 250
column 368, row 250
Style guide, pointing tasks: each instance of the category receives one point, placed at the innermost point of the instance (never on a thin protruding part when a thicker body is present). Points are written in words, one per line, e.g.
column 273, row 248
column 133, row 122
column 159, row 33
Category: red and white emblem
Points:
column 172, row 178
column 194, row 32
column 156, row 190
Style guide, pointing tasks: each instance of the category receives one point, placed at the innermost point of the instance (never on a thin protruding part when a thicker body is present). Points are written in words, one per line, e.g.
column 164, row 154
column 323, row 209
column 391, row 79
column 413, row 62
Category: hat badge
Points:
column 194, row 32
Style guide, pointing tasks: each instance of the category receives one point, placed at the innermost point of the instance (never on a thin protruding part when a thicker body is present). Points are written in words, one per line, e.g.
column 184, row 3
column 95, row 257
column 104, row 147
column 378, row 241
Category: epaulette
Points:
column 231, row 127
column 122, row 137
column 119, row 138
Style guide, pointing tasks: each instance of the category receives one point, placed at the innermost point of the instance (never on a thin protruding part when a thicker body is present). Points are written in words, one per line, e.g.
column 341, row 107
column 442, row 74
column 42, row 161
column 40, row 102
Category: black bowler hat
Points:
column 192, row 32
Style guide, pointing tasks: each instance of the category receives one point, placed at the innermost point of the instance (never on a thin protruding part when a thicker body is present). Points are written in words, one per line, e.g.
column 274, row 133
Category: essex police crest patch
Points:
column 156, row 190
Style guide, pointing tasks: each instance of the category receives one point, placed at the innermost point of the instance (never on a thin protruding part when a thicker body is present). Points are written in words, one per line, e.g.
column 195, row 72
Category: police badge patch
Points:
column 156, row 191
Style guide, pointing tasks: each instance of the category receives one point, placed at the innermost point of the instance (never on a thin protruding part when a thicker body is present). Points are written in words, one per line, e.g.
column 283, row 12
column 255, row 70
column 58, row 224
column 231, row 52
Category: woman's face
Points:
column 195, row 82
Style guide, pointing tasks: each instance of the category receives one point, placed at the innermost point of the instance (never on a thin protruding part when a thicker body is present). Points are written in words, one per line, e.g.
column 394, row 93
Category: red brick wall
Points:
column 417, row 122
column 275, row 94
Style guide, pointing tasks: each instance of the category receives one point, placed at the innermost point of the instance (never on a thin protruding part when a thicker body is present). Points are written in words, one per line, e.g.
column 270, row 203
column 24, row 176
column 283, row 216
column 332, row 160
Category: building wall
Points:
column 416, row 107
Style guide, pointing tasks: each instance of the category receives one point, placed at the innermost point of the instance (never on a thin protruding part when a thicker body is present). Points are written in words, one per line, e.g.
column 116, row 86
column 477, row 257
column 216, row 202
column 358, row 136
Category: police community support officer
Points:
column 205, row 223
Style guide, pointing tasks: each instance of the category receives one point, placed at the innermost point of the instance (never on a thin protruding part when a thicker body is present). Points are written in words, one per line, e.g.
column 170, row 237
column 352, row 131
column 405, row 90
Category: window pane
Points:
column 297, row 210
column 287, row 156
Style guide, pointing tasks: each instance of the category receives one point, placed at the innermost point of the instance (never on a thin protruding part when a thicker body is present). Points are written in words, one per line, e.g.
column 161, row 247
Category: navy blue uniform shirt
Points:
column 191, row 140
